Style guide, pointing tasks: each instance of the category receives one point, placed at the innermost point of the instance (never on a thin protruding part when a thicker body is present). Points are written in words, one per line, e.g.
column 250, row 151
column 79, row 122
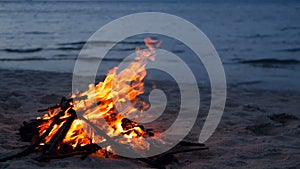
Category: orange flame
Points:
column 101, row 102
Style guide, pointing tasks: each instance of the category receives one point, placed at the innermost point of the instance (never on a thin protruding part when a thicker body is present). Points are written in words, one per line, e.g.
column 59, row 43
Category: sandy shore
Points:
column 259, row 129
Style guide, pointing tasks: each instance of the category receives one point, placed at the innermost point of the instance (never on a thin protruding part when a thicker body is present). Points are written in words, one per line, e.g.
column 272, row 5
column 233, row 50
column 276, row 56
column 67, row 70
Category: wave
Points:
column 105, row 59
column 247, row 83
column 271, row 62
column 29, row 50
column 290, row 50
column 101, row 42
column 258, row 35
column 76, row 46
column 69, row 48
column 123, row 49
column 32, row 59
column 133, row 42
column 37, row 33
column 72, row 43
column 79, row 48
column 287, row 28
column 57, row 58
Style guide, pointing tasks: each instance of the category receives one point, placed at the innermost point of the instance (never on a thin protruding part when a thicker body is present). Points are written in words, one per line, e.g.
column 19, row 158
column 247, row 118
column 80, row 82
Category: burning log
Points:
column 64, row 104
column 65, row 115
column 62, row 132
column 50, row 150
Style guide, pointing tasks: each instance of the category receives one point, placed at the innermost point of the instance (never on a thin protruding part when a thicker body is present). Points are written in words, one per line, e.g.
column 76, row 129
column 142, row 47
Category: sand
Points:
column 259, row 129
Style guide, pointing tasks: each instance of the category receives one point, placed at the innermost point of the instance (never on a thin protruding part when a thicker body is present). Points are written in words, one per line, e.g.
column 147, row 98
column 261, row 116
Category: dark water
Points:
column 258, row 42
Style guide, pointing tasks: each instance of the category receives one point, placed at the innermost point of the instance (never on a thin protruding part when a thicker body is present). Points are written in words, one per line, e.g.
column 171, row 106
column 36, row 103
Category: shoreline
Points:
column 258, row 128
column 99, row 78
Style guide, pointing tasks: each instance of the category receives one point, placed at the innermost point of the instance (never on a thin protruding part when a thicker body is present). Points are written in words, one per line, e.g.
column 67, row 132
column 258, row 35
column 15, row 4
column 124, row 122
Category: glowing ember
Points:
column 117, row 88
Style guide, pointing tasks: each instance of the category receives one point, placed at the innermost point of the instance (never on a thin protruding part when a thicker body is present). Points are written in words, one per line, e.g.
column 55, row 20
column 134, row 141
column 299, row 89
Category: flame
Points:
column 118, row 89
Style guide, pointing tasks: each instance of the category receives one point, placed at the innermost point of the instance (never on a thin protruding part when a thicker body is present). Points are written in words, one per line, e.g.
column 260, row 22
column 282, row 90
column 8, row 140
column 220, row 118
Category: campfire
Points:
column 62, row 133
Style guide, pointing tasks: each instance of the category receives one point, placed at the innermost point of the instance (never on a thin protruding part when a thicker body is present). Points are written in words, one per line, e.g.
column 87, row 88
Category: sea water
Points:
column 258, row 41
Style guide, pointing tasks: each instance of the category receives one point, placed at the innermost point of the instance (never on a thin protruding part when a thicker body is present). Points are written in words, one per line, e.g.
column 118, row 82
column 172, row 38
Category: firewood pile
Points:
column 56, row 148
